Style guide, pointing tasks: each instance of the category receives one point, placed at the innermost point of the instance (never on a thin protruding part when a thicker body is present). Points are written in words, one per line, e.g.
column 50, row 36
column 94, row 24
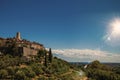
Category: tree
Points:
column 50, row 55
column 95, row 64
column 98, row 71
column 45, row 63
column 41, row 53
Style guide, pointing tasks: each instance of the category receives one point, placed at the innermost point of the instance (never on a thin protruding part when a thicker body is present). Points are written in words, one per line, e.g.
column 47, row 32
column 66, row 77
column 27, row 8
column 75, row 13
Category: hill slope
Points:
column 16, row 68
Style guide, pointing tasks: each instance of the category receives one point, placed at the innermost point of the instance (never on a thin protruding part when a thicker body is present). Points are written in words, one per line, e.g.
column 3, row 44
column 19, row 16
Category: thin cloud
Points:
column 86, row 55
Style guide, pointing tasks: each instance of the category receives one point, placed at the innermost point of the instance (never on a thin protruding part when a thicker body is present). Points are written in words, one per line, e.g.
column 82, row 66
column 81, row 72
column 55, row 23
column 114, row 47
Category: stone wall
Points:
column 2, row 42
column 29, row 52
column 36, row 46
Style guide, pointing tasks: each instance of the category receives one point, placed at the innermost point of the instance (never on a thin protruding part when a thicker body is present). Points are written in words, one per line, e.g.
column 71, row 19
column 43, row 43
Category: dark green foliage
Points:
column 20, row 75
column 97, row 65
column 41, row 53
column 50, row 55
column 102, row 75
column 59, row 66
column 8, row 60
column 16, row 69
column 117, row 69
column 42, row 78
column 98, row 71
column 11, row 70
column 28, row 72
column 46, row 63
column 12, row 49
column 3, row 74
column 41, row 66
column 37, row 68
column 67, row 77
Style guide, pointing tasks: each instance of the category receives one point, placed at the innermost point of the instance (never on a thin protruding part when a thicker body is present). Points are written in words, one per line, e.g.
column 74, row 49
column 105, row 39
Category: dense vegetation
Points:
column 44, row 66
column 98, row 71
column 17, row 68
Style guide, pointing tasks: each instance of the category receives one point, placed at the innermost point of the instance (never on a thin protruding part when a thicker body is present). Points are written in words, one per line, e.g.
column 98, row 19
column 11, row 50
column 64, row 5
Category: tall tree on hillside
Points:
column 45, row 63
column 50, row 55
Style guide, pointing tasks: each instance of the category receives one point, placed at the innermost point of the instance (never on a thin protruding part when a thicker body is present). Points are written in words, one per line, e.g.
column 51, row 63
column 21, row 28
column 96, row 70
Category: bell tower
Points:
column 18, row 37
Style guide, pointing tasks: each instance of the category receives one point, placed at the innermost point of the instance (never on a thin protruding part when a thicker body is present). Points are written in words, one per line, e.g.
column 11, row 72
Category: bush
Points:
column 3, row 74
column 20, row 75
column 41, row 78
column 98, row 71
column 28, row 72
column 37, row 68
column 11, row 70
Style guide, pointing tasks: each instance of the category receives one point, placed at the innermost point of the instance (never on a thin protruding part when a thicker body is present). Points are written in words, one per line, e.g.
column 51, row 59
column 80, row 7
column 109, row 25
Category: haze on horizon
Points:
column 76, row 30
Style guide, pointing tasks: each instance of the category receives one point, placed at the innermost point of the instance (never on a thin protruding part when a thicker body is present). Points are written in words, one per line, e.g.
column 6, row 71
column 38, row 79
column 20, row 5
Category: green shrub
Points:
column 3, row 73
column 37, row 68
column 28, row 72
column 11, row 70
column 42, row 78
column 20, row 75
column 98, row 71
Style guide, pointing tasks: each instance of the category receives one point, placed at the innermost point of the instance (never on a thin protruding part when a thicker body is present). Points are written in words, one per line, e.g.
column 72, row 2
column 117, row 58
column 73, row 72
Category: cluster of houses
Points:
column 24, row 47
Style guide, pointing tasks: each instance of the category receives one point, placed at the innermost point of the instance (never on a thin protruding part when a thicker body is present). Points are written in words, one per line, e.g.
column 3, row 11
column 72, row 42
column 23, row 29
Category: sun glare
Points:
column 115, row 26
column 113, row 32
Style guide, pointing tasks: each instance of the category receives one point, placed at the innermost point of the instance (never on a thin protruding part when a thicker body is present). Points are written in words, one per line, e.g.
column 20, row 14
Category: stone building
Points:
column 24, row 47
column 18, row 37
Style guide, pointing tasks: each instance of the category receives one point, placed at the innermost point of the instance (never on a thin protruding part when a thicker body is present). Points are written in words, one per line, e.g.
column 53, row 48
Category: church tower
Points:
column 18, row 36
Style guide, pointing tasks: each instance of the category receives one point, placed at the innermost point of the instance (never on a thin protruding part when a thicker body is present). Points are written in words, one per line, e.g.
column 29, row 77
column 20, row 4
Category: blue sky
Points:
column 60, row 24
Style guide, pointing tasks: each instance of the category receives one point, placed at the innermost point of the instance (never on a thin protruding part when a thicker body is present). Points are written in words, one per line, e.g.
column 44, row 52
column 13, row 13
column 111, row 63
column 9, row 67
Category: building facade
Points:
column 23, row 47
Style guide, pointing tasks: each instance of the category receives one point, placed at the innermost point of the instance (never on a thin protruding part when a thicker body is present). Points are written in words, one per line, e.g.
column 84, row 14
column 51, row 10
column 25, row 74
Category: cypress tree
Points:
column 45, row 58
column 50, row 55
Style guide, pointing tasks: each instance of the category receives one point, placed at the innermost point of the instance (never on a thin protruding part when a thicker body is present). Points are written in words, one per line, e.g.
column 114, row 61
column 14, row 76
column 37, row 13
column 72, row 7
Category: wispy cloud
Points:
column 86, row 55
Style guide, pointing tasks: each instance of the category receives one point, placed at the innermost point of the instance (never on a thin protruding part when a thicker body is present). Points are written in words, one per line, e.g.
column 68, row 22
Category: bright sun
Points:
column 115, row 27
column 113, row 34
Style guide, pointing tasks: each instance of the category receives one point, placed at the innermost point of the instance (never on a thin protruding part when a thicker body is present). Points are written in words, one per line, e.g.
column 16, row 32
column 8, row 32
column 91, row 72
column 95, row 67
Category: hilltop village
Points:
column 20, row 47
column 21, row 59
